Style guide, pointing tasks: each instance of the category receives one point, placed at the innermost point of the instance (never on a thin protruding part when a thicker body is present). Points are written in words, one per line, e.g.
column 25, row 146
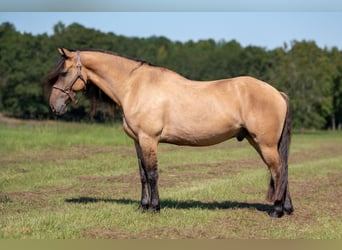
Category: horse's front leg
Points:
column 145, row 190
column 149, row 173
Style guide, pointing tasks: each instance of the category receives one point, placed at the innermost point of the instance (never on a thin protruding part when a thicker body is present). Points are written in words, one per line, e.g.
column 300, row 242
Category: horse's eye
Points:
column 63, row 74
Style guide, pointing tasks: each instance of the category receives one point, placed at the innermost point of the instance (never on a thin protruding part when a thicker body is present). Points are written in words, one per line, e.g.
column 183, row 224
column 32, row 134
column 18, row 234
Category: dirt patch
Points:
column 171, row 233
column 11, row 120
column 31, row 197
column 156, row 233
column 132, row 177
column 324, row 151
column 319, row 196
column 105, row 233
column 58, row 155
column 113, row 186
column 182, row 174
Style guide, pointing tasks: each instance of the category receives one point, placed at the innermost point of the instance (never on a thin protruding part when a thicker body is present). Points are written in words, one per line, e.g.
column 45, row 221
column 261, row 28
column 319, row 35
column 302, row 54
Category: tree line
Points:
column 310, row 75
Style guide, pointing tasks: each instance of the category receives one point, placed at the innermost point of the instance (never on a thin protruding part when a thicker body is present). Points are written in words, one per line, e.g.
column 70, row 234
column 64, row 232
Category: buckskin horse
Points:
column 159, row 105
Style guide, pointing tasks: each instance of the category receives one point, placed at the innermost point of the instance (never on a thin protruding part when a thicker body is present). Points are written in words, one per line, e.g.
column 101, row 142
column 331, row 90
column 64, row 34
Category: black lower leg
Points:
column 152, row 176
column 144, row 203
column 271, row 191
column 145, row 192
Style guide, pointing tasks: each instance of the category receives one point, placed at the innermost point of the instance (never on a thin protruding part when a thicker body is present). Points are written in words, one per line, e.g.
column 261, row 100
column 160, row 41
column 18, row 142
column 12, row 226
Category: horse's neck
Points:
column 110, row 73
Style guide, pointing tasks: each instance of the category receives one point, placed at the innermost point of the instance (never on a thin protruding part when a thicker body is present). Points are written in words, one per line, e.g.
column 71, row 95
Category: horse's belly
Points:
column 198, row 136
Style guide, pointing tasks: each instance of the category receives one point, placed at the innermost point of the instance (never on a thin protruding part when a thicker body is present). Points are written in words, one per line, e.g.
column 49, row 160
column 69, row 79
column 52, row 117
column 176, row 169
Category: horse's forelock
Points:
column 52, row 77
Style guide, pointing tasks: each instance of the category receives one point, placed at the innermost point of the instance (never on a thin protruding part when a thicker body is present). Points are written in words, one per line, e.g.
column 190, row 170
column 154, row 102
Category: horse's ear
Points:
column 61, row 51
column 64, row 52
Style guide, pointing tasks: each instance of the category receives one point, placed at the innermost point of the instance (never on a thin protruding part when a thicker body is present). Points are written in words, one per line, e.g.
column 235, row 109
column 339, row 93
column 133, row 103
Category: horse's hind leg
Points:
column 271, row 157
column 277, row 191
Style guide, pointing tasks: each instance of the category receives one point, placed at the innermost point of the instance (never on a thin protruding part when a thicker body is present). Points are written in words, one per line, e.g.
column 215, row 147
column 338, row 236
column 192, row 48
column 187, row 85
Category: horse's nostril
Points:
column 53, row 109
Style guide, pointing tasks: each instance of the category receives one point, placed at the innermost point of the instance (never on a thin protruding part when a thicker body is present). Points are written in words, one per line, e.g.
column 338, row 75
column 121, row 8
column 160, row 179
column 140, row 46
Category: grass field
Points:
column 74, row 181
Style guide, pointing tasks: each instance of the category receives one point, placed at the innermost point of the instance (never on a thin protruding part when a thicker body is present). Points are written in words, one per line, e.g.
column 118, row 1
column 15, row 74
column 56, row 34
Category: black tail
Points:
column 283, row 148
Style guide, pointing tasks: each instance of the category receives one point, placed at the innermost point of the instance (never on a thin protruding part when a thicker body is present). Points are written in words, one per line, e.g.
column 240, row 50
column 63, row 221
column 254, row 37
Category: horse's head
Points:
column 66, row 79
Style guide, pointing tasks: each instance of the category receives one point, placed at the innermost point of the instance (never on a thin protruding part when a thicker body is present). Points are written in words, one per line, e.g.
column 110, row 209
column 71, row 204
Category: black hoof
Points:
column 143, row 208
column 277, row 211
column 147, row 208
column 154, row 210
column 276, row 214
column 288, row 210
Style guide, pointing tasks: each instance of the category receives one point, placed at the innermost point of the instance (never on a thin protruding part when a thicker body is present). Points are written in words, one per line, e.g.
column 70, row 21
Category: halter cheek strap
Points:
column 68, row 89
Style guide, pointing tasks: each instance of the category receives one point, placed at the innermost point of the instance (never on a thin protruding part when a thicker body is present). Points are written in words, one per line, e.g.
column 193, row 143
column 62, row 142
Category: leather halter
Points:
column 68, row 89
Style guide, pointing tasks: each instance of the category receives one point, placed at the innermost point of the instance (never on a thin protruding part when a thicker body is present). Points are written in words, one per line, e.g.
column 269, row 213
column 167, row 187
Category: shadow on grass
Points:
column 188, row 204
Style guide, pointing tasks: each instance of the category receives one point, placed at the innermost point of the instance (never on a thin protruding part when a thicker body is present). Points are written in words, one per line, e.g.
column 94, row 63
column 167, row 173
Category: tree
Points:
column 305, row 73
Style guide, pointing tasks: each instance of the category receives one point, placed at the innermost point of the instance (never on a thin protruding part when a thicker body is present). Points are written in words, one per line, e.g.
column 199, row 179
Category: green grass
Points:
column 72, row 181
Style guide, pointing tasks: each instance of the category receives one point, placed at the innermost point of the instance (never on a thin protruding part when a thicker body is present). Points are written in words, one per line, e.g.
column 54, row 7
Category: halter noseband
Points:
column 68, row 89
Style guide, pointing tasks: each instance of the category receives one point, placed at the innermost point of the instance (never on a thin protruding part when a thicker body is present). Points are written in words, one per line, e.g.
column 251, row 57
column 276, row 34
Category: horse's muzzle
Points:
column 59, row 107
